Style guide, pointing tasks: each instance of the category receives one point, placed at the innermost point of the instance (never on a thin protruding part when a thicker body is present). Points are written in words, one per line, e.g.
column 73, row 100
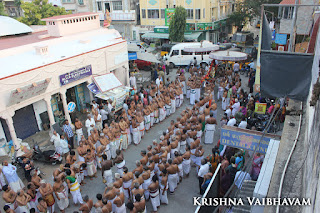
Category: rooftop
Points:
column 15, row 41
column 60, row 48
column 69, row 16
column 10, row 26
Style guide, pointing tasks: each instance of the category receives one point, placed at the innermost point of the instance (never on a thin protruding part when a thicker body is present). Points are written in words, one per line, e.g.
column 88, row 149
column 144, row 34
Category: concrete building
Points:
column 78, row 6
column 122, row 13
column 304, row 22
column 44, row 71
column 203, row 16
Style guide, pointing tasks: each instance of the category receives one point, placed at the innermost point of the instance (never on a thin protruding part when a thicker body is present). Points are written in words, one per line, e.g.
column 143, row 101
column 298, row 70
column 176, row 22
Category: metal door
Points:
column 25, row 123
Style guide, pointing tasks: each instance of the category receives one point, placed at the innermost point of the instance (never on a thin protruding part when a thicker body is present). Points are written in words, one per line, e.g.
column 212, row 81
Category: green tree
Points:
column 2, row 10
column 38, row 9
column 178, row 25
column 241, row 16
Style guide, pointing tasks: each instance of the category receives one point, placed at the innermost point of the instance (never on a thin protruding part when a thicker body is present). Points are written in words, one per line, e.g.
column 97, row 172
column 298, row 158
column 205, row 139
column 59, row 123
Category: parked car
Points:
column 242, row 39
column 251, row 51
column 143, row 65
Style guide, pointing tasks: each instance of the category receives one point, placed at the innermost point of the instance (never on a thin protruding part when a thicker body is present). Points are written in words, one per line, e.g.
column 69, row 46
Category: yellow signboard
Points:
column 260, row 108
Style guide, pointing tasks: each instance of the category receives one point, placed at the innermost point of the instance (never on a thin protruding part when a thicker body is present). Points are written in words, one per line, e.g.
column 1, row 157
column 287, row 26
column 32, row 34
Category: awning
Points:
column 106, row 82
column 189, row 36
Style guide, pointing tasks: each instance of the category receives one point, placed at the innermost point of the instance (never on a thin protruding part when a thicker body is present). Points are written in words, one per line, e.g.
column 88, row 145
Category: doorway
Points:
column 106, row 7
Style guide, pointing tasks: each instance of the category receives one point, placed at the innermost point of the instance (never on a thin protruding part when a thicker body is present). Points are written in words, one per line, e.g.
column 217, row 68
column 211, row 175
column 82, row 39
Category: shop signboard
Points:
column 161, row 29
column 245, row 139
column 71, row 107
column 24, row 93
column 201, row 26
column 132, row 56
column 281, row 39
column 75, row 75
column 260, row 108
column 169, row 15
column 190, row 26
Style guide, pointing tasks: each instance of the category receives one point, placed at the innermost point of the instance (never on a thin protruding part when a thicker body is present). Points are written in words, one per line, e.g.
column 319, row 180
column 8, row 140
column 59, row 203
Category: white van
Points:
column 178, row 57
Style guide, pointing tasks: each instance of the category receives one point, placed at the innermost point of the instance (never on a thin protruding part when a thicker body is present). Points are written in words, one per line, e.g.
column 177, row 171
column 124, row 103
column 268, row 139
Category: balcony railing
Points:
column 123, row 16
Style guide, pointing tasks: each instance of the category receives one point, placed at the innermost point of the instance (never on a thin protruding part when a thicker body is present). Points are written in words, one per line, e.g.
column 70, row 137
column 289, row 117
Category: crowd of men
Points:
column 162, row 166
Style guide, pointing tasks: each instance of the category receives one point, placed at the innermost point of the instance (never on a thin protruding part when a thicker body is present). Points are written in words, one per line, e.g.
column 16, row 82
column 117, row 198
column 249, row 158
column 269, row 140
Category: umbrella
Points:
column 203, row 46
column 228, row 56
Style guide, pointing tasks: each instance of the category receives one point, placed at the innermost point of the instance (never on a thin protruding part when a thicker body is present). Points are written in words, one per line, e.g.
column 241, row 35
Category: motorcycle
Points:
column 49, row 156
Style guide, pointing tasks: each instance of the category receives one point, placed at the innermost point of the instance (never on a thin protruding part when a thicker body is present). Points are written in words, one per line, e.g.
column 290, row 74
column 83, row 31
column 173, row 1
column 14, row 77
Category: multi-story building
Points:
column 122, row 13
column 78, row 6
column 205, row 18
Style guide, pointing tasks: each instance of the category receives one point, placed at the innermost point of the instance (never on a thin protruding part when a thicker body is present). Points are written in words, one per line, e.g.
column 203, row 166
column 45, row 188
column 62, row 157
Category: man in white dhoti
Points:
column 211, row 123
column 173, row 105
column 135, row 132
column 74, row 187
column 162, row 112
column 113, row 148
column 164, row 188
column 61, row 193
column 142, row 129
column 151, row 119
column 106, row 171
column 147, row 121
column 168, row 109
column 172, row 176
column 90, row 124
column 78, row 125
column 55, row 139
column 154, row 193
column 10, row 172
column 192, row 96
column 198, row 94
column 119, row 162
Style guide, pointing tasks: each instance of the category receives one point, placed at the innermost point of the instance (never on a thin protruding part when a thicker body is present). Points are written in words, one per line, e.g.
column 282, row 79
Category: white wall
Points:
column 39, row 107
column 2, row 135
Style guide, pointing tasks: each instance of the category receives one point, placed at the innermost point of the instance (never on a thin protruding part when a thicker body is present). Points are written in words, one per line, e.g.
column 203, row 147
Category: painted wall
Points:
column 39, row 107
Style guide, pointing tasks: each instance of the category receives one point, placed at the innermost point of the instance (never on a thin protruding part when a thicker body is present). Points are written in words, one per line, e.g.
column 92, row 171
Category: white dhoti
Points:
column 173, row 106
column 121, row 209
column 209, row 136
column 81, row 159
column 193, row 157
column 199, row 135
column 180, row 170
column 183, row 145
column 145, row 186
column 163, row 194
column 220, row 93
column 177, row 101
column 17, row 185
column 147, row 121
column 107, row 176
column 98, row 160
column 162, row 113
column 23, row 209
column 108, row 152
column 136, row 135
column 78, row 176
column 172, row 181
column 118, row 142
column 168, row 109
column 76, row 194
column 63, row 203
column 113, row 148
column 155, row 199
column 151, row 119
column 188, row 92
column 91, row 168
column 184, row 87
column 142, row 128
column 156, row 116
column 198, row 94
column 79, row 133
column 127, row 189
column 192, row 96
column 224, row 103
column 181, row 100
column 186, row 165
column 120, row 167
column 124, row 140
column 129, row 136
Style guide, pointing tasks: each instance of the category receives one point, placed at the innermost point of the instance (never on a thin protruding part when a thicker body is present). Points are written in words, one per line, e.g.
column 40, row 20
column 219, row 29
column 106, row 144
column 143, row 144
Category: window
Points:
column 175, row 52
column 99, row 5
column 143, row 13
column 198, row 15
column 67, row 1
column 117, row 5
column 163, row 13
column 80, row 2
column 189, row 13
column 185, row 53
column 204, row 12
column 153, row 13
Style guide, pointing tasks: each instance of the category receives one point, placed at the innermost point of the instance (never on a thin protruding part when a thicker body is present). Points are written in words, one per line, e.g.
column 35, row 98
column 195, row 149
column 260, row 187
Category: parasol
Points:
column 228, row 56
column 203, row 46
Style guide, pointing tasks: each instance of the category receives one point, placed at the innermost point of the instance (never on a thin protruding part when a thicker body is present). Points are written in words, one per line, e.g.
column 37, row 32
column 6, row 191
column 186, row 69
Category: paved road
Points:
column 182, row 200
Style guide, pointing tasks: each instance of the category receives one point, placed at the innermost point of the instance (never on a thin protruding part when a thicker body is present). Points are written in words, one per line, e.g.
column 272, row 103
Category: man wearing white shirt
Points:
column 10, row 172
column 90, row 124
column 204, row 169
column 240, row 177
column 235, row 107
column 55, row 139
column 251, row 65
column 95, row 105
column 64, row 147
column 228, row 112
column 232, row 122
column 243, row 124
column 109, row 107
column 158, row 82
column 104, row 116
column 133, row 81
column 236, row 67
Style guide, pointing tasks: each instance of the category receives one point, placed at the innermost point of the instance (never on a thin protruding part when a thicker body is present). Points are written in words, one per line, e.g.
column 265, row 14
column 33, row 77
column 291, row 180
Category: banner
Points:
column 132, row 56
column 169, row 15
column 75, row 75
column 260, row 108
column 190, row 26
column 245, row 139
